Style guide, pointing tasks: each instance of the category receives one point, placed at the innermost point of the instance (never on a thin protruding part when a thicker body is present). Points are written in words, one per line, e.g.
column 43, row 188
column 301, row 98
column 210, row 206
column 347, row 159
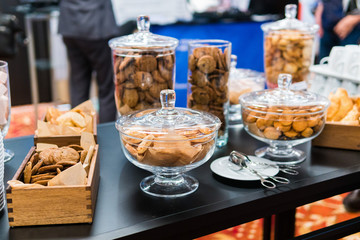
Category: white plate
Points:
column 221, row 167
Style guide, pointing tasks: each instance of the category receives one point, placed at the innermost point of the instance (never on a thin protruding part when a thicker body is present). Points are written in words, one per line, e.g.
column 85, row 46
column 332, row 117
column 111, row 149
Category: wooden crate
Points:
column 336, row 135
column 63, row 140
column 53, row 204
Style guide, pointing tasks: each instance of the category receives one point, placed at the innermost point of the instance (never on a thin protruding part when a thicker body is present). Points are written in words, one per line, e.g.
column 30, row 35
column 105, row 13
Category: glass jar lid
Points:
column 168, row 119
column 143, row 39
column 290, row 22
column 283, row 98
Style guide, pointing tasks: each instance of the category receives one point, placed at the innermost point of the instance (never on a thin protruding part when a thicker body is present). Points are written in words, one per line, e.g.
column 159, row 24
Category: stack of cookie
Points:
column 45, row 164
column 139, row 78
column 208, row 81
column 287, row 51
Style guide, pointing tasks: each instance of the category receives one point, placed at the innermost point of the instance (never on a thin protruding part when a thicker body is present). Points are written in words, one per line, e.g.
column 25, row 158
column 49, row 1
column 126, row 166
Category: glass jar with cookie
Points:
column 283, row 118
column 144, row 64
column 168, row 142
column 208, row 80
column 288, row 48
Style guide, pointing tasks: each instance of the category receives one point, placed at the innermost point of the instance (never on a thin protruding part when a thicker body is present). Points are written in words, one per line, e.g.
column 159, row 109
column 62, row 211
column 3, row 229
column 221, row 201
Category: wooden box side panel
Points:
column 94, row 179
column 339, row 136
column 43, row 206
column 58, row 140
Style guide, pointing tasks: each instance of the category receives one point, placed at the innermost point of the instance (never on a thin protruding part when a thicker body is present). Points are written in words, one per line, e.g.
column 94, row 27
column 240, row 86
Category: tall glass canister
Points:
column 288, row 48
column 208, row 81
column 144, row 64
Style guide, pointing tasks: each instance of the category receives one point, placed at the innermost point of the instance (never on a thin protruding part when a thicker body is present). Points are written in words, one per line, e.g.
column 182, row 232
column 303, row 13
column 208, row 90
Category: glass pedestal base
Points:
column 286, row 157
column 160, row 186
column 8, row 155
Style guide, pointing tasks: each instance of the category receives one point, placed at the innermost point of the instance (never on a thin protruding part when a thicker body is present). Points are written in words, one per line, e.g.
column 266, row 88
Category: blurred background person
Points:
column 86, row 27
column 339, row 23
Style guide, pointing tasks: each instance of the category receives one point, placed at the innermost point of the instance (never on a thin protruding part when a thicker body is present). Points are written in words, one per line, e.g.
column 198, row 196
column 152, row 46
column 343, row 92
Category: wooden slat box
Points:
column 336, row 135
column 53, row 204
column 65, row 139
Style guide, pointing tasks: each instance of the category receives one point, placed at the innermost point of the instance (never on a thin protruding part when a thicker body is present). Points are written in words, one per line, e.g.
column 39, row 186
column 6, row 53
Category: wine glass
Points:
column 5, row 106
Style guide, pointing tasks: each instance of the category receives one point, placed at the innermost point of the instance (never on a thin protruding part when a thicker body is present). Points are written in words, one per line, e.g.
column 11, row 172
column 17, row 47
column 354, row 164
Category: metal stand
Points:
column 47, row 15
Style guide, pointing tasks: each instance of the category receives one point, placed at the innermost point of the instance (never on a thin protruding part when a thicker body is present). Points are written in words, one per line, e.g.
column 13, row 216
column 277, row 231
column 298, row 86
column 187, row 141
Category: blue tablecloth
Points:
column 246, row 38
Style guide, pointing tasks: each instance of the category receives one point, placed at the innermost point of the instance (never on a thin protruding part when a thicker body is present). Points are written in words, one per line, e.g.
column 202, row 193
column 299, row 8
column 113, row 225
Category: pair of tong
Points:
column 288, row 169
column 242, row 161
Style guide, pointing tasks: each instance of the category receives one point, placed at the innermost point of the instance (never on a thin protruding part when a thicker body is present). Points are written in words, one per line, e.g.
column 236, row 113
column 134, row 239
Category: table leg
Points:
column 267, row 228
column 285, row 225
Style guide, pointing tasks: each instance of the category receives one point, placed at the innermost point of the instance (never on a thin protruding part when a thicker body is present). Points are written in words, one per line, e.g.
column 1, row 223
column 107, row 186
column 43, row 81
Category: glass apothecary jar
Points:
column 144, row 64
column 288, row 48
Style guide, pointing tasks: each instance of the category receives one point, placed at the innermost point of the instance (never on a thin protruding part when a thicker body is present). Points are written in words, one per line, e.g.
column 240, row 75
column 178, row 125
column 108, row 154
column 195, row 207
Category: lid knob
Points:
column 284, row 81
column 290, row 11
column 143, row 23
column 167, row 99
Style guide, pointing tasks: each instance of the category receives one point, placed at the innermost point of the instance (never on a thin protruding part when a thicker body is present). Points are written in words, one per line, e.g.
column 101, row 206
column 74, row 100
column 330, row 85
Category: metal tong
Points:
column 242, row 161
column 288, row 170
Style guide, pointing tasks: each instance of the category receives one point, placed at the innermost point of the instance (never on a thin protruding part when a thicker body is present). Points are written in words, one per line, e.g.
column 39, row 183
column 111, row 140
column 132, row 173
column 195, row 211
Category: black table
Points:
column 123, row 210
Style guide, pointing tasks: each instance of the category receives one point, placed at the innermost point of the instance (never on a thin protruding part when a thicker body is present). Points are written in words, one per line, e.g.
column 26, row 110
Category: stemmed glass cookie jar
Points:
column 283, row 118
column 144, row 64
column 288, row 47
column 168, row 142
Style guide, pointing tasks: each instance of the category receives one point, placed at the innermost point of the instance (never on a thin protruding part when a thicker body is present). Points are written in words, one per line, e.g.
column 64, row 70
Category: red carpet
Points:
column 309, row 217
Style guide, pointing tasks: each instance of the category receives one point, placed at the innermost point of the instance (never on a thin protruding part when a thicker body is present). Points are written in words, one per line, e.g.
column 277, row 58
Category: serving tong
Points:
column 242, row 161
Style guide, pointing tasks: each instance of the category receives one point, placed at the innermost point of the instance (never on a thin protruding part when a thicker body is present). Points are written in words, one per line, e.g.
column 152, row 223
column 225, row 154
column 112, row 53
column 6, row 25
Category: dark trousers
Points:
column 85, row 57
column 330, row 39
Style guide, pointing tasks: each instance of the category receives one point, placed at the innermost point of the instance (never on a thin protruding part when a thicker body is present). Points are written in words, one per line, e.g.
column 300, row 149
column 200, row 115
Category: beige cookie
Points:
column 117, row 62
column 168, row 61
column 125, row 62
column 201, row 51
column 130, row 97
column 27, row 172
column 165, row 73
column 192, row 63
column 65, row 154
column 47, row 156
column 35, row 169
column 66, row 163
column 129, row 72
column 199, row 78
column 272, row 133
column 76, row 147
column 50, row 168
column 34, row 159
column 156, row 88
column 146, row 63
column 291, row 133
column 200, row 96
column 42, row 182
column 143, row 80
column 206, row 64
column 46, row 176
column 157, row 76
column 149, row 98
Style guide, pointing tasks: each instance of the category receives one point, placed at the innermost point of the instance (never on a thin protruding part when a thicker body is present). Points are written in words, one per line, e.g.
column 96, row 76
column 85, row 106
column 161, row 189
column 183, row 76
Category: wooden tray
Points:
column 53, row 204
column 336, row 135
